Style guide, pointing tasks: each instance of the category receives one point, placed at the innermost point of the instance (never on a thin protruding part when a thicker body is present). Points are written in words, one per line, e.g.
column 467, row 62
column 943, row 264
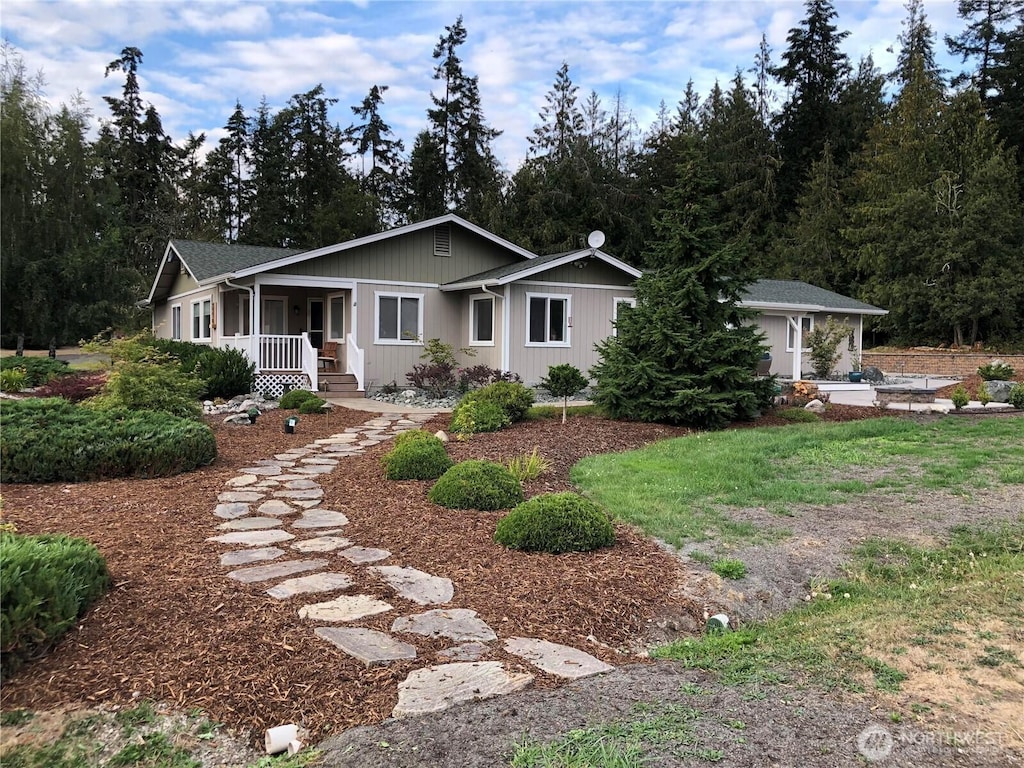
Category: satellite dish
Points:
column 595, row 239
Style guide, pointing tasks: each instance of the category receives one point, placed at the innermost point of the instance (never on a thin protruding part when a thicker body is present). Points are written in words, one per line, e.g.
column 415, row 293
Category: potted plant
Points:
column 856, row 375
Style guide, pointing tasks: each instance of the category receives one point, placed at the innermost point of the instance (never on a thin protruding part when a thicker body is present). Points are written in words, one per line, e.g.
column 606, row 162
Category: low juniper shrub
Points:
column 419, row 457
column 38, row 370
column 294, row 398
column 312, row 405
column 46, row 583
column 556, row 523
column 476, row 484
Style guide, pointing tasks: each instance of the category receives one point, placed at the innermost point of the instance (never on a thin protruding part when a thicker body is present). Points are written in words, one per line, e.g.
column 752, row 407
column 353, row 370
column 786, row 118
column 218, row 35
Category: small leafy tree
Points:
column 824, row 341
column 563, row 381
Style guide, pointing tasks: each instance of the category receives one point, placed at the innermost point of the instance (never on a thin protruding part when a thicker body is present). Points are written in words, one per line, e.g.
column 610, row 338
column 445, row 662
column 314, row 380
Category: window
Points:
column 176, row 322
column 621, row 301
column 337, row 318
column 201, row 320
column 399, row 318
column 481, row 320
column 806, row 325
column 547, row 320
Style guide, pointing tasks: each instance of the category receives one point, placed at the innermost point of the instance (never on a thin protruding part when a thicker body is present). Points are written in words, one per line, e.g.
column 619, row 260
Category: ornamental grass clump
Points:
column 556, row 523
column 417, row 455
column 477, row 484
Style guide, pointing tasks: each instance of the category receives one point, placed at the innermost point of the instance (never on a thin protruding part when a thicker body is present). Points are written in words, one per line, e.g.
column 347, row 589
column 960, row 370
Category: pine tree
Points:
column 561, row 120
column 374, row 137
column 987, row 21
column 686, row 354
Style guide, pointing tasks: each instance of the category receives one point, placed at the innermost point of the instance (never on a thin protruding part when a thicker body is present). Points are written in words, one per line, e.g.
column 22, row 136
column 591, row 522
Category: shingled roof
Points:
column 206, row 260
column 797, row 294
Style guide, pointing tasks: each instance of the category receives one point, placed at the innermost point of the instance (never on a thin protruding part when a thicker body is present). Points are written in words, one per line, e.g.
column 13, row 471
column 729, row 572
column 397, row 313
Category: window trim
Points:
column 377, row 296
column 329, row 317
column 567, row 298
column 803, row 334
column 192, row 317
column 176, row 337
column 473, row 341
column 630, row 300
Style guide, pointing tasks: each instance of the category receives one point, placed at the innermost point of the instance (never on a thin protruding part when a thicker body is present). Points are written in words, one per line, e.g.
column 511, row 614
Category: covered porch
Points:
column 305, row 335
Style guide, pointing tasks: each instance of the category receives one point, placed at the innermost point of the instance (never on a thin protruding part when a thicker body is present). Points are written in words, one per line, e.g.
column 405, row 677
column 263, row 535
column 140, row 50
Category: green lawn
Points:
column 676, row 489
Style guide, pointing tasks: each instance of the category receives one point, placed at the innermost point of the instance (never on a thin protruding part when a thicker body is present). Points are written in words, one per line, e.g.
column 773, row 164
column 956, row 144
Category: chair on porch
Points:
column 327, row 358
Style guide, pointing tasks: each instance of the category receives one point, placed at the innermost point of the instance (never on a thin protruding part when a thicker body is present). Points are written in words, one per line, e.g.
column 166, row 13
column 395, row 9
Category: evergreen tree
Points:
column 225, row 178
column 917, row 47
column 987, row 21
column 373, row 138
column 814, row 69
column 686, row 354
column 561, row 120
column 424, row 186
column 1005, row 101
column 272, row 210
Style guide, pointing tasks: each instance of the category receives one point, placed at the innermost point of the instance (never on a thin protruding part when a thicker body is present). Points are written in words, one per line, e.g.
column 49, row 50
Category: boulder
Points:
column 999, row 391
column 873, row 374
column 815, row 406
column 440, row 435
column 237, row 418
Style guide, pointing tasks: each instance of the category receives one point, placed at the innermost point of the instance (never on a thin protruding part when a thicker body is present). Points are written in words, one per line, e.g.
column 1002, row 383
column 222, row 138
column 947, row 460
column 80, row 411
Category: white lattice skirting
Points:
column 272, row 385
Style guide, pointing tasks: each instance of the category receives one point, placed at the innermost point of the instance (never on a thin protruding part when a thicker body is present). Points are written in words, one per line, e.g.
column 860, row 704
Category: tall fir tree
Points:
column 686, row 354
column 373, row 138
column 814, row 69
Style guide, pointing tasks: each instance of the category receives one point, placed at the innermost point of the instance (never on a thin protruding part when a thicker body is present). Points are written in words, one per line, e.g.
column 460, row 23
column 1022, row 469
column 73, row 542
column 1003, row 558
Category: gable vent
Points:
column 442, row 240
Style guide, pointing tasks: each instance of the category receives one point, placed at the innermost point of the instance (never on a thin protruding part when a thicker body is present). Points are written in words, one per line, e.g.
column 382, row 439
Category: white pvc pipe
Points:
column 276, row 739
column 294, row 747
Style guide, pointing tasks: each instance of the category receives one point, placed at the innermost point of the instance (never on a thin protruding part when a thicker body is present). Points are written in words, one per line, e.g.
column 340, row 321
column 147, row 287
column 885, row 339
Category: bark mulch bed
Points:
column 175, row 629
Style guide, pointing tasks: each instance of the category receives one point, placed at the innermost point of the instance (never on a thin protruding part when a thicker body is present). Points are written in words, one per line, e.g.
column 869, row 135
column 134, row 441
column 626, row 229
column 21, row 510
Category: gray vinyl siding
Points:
column 484, row 355
column 442, row 316
column 593, row 272
column 183, row 283
column 408, row 258
column 591, row 311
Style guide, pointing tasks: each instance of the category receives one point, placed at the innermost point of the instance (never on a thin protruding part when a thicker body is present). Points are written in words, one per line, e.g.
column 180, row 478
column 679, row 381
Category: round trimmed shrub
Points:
column 416, row 458
column 1016, row 398
column 556, row 523
column 513, row 398
column 46, row 583
column 296, row 397
column 51, row 440
column 471, row 416
column 476, row 484
column 312, row 405
column 414, row 436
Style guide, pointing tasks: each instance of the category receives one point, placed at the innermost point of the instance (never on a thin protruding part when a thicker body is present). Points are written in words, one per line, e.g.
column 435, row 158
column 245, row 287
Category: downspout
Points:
column 253, row 343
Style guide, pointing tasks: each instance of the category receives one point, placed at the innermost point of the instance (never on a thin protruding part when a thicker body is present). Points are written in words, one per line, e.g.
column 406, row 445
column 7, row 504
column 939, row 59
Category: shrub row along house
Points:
column 355, row 315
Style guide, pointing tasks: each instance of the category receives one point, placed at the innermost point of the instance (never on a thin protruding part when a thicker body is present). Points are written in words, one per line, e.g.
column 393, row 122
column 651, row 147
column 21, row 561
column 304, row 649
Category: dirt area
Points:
column 175, row 630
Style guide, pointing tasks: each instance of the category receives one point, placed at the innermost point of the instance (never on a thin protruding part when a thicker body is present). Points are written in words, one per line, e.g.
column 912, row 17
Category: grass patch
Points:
column 729, row 568
column 676, row 489
column 893, row 592
column 622, row 744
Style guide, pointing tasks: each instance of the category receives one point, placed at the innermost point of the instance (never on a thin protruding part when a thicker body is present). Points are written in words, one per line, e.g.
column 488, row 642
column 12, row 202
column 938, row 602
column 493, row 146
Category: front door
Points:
column 316, row 323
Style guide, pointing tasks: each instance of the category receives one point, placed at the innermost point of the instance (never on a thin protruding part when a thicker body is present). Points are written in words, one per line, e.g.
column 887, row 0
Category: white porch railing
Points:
column 354, row 362
column 277, row 352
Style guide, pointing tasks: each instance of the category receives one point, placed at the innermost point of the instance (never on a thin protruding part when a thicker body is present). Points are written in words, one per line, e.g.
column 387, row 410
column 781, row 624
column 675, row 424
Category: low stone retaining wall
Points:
column 887, row 395
column 938, row 363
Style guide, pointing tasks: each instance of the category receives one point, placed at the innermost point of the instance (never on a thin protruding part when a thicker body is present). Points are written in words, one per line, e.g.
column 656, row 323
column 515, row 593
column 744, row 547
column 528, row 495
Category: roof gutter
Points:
column 484, row 288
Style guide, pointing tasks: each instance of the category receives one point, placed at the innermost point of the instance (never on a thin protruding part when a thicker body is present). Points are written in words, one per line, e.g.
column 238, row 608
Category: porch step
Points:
column 340, row 385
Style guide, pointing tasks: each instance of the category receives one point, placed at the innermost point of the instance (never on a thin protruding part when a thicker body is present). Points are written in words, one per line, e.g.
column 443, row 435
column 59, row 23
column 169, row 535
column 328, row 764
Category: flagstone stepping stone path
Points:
column 278, row 500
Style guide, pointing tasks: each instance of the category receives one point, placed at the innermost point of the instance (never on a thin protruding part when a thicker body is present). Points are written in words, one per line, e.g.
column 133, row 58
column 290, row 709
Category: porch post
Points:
column 796, row 323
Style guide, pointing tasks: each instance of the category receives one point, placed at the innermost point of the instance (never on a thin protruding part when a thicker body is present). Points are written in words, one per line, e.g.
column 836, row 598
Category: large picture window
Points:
column 481, row 320
column 337, row 317
column 176, row 322
column 399, row 318
column 201, row 320
column 806, row 326
column 547, row 320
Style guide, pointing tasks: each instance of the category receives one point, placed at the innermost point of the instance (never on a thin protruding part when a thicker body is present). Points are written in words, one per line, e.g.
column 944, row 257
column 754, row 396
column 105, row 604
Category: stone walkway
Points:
column 285, row 542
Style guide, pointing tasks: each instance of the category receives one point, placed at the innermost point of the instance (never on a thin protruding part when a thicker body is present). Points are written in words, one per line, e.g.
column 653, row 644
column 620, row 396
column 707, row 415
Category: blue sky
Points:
column 200, row 57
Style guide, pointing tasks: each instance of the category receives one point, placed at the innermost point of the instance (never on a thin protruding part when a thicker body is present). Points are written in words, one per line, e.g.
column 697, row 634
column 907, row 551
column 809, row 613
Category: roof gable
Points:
column 798, row 295
column 520, row 271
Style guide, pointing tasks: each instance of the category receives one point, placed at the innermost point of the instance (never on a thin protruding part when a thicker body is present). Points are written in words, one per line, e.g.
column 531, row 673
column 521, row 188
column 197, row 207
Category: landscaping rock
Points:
column 250, row 524
column 237, row 496
column 275, row 507
column 436, row 688
column 998, row 390
column 459, row 624
column 275, row 570
column 231, row 510
column 246, row 556
column 253, row 538
column 369, row 646
column 416, row 585
column 555, row 659
column 321, row 544
column 320, row 518
column 815, row 406
column 345, row 608
column 873, row 374
column 362, row 555
column 465, row 652
column 317, row 582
